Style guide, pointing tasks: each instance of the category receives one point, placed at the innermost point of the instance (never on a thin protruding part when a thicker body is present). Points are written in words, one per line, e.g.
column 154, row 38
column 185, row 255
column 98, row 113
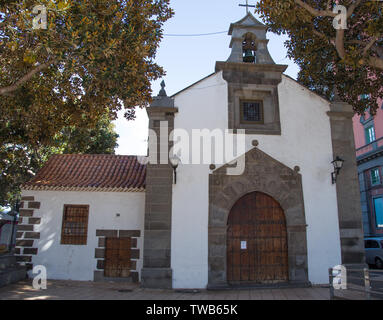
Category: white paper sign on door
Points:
column 243, row 245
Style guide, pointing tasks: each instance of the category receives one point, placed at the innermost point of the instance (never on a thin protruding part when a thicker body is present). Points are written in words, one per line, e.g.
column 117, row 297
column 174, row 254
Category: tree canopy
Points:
column 66, row 68
column 348, row 60
column 94, row 57
column 19, row 162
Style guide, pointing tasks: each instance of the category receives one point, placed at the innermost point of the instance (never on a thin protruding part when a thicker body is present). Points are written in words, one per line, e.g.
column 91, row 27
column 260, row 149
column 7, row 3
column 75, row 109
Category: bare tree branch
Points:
column 369, row 45
column 339, row 43
column 313, row 11
column 376, row 62
column 25, row 78
column 320, row 34
column 352, row 7
column 378, row 50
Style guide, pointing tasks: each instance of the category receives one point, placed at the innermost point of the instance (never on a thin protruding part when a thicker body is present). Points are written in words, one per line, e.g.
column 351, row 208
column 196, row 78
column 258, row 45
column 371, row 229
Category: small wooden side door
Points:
column 117, row 257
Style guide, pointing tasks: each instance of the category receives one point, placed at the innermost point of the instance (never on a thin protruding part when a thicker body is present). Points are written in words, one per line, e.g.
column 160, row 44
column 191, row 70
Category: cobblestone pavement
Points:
column 76, row 290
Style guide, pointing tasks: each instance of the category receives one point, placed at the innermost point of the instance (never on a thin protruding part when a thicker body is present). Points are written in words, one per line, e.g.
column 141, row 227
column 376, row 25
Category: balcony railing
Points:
column 373, row 146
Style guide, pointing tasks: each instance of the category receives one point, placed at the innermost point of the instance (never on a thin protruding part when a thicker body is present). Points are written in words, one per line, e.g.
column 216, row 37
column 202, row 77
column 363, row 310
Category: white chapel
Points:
column 284, row 219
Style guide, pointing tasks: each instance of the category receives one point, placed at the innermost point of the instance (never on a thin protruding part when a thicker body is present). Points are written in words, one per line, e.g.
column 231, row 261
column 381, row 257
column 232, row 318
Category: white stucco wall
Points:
column 74, row 262
column 202, row 106
column 305, row 142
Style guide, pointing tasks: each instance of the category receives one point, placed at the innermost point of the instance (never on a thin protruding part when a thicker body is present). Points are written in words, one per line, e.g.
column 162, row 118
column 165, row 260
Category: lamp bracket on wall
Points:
column 338, row 165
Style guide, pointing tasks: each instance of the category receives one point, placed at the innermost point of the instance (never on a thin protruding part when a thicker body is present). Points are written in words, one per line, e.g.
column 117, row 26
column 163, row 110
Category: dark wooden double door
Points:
column 257, row 251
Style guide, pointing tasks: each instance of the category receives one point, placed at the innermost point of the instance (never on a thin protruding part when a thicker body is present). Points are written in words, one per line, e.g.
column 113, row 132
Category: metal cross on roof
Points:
column 247, row 5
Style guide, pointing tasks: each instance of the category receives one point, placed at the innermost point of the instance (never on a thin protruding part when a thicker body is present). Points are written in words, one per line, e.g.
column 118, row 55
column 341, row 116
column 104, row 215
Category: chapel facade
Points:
column 281, row 219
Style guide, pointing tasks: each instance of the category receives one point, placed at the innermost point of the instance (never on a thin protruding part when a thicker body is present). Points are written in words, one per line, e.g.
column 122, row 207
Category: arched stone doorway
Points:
column 257, row 250
column 266, row 175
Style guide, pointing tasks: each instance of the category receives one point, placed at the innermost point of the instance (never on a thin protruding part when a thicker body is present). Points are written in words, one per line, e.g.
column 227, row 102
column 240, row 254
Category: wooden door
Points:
column 257, row 241
column 117, row 257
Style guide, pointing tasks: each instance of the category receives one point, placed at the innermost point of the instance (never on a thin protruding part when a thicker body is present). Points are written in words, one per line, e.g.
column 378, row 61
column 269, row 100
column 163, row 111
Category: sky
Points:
column 187, row 59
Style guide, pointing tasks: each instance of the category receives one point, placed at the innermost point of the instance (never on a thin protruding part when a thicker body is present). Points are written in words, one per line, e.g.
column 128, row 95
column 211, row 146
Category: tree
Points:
column 94, row 57
column 331, row 57
column 99, row 140
column 20, row 162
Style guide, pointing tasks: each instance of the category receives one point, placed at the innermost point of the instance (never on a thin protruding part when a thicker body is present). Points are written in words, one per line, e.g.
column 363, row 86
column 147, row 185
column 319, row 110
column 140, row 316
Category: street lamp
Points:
column 338, row 164
column 175, row 161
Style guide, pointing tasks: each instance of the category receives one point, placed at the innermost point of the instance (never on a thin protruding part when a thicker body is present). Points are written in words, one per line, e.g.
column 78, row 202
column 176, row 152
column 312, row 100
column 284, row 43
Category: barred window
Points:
column 251, row 112
column 75, row 225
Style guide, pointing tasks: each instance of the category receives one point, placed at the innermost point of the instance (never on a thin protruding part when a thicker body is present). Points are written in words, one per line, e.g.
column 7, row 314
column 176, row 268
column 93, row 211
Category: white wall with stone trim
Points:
column 305, row 142
column 77, row 262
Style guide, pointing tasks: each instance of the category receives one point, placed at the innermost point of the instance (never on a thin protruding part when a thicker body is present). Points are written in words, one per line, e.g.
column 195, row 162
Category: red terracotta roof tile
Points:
column 91, row 173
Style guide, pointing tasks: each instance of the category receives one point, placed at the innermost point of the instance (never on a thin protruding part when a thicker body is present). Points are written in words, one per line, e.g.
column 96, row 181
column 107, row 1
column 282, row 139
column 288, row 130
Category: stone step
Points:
column 12, row 275
column 7, row 261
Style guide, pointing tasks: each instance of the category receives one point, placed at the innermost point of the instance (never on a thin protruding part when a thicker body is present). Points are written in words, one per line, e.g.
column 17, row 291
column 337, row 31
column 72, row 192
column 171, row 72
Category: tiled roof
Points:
column 90, row 173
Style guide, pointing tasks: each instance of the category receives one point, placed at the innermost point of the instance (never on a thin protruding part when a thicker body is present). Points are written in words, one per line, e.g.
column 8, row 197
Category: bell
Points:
column 249, row 56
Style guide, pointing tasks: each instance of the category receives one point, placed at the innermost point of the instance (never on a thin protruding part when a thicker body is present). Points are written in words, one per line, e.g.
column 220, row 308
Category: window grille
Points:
column 252, row 111
column 75, row 225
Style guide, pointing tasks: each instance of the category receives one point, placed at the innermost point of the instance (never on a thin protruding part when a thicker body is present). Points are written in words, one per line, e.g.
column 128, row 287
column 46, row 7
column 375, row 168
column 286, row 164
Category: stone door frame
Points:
column 262, row 174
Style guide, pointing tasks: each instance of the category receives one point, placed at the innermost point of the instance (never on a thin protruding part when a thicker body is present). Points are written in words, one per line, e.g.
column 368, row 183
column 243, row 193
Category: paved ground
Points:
column 74, row 290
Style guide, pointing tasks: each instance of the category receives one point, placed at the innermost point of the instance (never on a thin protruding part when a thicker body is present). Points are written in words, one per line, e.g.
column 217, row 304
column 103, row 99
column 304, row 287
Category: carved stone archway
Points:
column 262, row 174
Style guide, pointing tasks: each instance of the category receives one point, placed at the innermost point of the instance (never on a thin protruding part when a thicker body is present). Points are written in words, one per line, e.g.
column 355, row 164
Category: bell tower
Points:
column 248, row 41
column 253, row 79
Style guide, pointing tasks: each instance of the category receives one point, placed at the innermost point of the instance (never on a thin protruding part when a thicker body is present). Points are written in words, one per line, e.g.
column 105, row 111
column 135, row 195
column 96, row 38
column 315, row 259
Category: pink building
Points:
column 368, row 133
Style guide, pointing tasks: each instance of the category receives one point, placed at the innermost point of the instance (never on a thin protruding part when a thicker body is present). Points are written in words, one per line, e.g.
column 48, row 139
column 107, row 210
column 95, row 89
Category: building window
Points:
column 251, row 111
column 75, row 225
column 371, row 244
column 375, row 177
column 378, row 205
column 370, row 134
